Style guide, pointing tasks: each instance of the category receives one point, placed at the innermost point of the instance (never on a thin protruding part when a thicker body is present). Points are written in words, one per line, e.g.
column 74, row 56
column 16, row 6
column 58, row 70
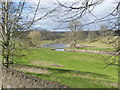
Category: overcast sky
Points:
column 100, row 11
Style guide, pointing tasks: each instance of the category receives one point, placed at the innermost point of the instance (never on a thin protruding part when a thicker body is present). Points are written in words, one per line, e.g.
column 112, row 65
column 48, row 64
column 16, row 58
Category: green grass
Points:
column 97, row 44
column 45, row 42
column 74, row 81
column 96, row 49
column 74, row 65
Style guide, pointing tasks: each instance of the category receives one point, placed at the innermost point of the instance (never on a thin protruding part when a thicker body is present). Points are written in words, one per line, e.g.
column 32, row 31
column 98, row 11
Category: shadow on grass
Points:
column 59, row 70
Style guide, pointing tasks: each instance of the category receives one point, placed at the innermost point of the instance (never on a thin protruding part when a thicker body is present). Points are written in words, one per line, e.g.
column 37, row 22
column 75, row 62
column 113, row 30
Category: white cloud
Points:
column 101, row 10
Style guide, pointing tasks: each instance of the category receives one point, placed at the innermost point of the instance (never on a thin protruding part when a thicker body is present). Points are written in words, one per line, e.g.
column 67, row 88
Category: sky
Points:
column 51, row 23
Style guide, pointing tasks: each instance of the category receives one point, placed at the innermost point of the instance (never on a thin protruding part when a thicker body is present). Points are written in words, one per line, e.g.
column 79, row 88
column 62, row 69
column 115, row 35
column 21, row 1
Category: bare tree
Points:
column 78, row 9
column 75, row 25
column 35, row 37
column 103, row 27
column 106, row 34
column 92, row 35
column 15, row 18
column 114, row 58
column 75, row 11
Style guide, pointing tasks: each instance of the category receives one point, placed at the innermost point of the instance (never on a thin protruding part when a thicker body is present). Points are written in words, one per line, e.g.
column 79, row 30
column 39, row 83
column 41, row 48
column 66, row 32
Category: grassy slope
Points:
column 87, row 64
column 97, row 44
column 96, row 49
column 45, row 41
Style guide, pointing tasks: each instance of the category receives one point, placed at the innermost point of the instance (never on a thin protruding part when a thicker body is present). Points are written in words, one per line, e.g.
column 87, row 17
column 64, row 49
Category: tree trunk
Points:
column 6, row 34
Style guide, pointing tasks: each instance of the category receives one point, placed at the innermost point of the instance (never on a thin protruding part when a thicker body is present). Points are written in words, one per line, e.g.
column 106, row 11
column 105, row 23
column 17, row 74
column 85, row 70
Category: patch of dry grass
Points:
column 45, row 63
column 34, row 70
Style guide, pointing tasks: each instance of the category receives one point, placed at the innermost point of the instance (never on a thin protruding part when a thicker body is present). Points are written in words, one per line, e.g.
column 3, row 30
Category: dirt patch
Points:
column 45, row 63
column 33, row 70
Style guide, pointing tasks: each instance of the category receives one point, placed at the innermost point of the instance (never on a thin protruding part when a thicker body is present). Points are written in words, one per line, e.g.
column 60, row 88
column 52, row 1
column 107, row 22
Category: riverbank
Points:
column 92, row 51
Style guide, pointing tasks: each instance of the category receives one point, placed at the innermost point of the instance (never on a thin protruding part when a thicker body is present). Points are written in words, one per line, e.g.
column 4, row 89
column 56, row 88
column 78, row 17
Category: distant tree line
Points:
column 89, row 35
column 65, row 36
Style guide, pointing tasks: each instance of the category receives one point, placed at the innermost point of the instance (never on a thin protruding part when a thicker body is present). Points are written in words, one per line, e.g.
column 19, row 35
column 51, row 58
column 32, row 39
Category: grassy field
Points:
column 76, row 70
column 45, row 42
column 96, row 49
column 97, row 44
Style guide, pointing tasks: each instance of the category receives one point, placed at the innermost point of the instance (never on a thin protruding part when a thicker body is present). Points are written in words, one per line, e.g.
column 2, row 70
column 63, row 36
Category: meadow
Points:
column 76, row 70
